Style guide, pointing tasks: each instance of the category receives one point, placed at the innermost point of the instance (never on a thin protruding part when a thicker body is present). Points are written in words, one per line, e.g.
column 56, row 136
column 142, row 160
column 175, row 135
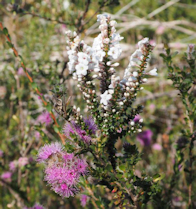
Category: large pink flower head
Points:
column 47, row 150
column 63, row 169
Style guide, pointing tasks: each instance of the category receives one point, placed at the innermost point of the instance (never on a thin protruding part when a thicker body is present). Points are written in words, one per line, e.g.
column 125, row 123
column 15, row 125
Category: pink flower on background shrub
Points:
column 73, row 129
column 84, row 198
column 119, row 130
column 6, row 176
column 90, row 124
column 13, row 165
column 152, row 106
column 37, row 135
column 137, row 118
column 22, row 161
column 160, row 30
column 68, row 129
column 63, row 170
column 44, row 118
column 145, row 137
column 20, row 71
column 1, row 153
column 152, row 42
column 157, row 146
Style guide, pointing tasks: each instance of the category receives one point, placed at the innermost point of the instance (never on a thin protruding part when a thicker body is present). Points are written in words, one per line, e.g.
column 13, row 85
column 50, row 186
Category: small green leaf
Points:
column 187, row 81
column 168, row 51
column 21, row 58
column 5, row 31
column 122, row 167
column 9, row 37
column 10, row 44
column 158, row 177
column 34, row 85
column 162, row 55
column 56, row 129
column 170, row 68
column 174, row 54
column 49, row 107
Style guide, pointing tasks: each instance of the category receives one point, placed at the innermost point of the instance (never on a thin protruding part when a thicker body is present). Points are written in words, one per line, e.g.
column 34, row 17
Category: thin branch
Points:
column 80, row 23
column 191, row 6
column 28, row 147
column 20, row 201
column 93, row 197
column 113, row 16
column 23, row 12
column 160, row 9
column 100, row 7
column 130, row 4
column 45, row 18
column 190, row 170
column 157, row 95
column 134, row 198
column 154, row 24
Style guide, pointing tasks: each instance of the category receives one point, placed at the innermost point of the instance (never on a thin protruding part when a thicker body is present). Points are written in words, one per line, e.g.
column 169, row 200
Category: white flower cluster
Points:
column 82, row 64
column 136, row 59
column 131, row 74
column 107, row 42
column 84, row 59
column 73, row 42
column 107, row 95
column 80, row 57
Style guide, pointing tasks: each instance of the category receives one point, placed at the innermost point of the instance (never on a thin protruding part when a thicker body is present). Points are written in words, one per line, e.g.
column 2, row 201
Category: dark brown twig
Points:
column 190, row 170
column 81, row 19
column 100, row 7
column 45, row 18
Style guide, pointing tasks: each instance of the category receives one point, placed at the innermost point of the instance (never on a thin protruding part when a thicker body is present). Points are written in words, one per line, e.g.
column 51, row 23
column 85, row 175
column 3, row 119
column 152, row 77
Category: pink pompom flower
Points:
column 63, row 170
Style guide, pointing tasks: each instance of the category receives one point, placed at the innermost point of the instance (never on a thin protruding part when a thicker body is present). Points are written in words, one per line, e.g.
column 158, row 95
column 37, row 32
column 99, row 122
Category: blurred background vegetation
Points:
column 37, row 29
